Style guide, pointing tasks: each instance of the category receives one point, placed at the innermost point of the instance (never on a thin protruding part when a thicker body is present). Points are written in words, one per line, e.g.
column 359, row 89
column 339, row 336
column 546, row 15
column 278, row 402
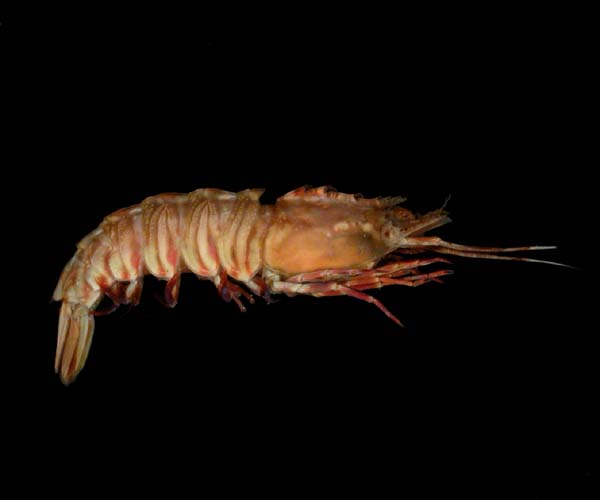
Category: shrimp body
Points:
column 312, row 241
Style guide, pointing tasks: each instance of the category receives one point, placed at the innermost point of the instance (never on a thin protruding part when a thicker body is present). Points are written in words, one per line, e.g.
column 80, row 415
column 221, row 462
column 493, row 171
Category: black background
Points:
column 491, row 382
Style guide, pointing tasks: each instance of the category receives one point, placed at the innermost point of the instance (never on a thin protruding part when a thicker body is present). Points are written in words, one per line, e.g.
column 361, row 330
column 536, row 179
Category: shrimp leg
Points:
column 362, row 280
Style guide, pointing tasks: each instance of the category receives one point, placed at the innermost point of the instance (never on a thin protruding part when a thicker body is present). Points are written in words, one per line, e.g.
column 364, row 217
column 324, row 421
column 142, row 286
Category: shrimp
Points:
column 312, row 241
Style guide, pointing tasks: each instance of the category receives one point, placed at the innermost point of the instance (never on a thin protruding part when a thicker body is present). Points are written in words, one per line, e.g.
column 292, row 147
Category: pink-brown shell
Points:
column 312, row 241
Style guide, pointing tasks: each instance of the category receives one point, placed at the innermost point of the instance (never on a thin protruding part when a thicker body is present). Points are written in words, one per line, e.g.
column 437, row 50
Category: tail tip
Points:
column 75, row 331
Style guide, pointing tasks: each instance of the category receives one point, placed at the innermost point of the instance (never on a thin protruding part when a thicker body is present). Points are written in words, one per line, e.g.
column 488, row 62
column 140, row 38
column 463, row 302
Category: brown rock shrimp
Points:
column 311, row 241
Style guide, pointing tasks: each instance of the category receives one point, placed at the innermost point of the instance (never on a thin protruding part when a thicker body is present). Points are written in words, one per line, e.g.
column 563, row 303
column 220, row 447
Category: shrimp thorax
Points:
column 310, row 236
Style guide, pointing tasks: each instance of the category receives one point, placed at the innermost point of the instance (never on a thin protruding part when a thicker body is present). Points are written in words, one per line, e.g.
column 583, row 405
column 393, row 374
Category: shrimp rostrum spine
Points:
column 311, row 241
